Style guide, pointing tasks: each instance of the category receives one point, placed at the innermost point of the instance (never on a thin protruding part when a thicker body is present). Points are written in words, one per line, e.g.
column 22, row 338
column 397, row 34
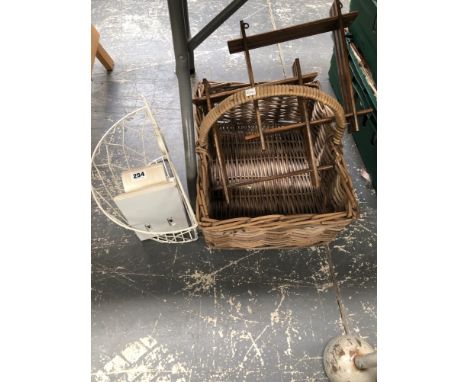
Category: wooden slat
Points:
column 291, row 33
column 294, row 126
column 341, row 55
column 287, row 81
column 217, row 143
column 314, row 175
column 275, row 177
column 243, row 27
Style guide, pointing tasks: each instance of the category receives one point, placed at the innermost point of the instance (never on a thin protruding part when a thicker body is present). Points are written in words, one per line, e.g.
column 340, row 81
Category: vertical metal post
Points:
column 188, row 36
column 182, row 58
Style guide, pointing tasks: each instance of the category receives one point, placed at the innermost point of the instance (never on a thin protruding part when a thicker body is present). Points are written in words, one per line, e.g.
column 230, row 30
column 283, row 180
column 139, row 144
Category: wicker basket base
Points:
column 283, row 233
column 285, row 196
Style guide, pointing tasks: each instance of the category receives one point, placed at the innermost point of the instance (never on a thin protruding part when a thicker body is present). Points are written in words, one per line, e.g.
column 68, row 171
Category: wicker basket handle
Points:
column 264, row 91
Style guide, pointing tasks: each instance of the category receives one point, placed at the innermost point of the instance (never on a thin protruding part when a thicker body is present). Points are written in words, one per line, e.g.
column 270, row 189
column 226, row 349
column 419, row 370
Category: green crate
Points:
column 364, row 31
column 366, row 137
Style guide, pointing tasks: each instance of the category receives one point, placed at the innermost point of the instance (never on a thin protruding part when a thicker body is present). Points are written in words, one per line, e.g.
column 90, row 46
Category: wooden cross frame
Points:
column 336, row 23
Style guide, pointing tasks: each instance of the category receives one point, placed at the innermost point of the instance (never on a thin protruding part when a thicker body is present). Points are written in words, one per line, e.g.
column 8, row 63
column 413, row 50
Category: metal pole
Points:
column 220, row 18
column 367, row 361
column 182, row 57
column 187, row 36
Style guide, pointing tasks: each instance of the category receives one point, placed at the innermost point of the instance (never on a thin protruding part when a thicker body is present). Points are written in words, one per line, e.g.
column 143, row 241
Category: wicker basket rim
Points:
column 265, row 91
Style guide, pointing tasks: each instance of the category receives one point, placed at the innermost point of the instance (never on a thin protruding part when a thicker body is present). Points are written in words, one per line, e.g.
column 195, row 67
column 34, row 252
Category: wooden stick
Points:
column 287, row 81
column 217, row 143
column 291, row 33
column 275, row 177
column 314, row 175
column 243, row 26
column 294, row 126
column 341, row 51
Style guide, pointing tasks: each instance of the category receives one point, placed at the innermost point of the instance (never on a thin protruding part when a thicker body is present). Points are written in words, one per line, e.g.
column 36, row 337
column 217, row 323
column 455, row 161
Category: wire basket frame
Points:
column 135, row 141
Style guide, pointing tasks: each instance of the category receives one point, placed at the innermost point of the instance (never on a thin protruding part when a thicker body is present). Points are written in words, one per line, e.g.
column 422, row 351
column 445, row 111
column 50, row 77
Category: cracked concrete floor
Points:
column 185, row 313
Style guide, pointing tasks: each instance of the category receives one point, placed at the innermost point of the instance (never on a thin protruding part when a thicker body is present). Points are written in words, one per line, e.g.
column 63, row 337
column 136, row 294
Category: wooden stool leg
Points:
column 98, row 51
column 104, row 57
column 94, row 44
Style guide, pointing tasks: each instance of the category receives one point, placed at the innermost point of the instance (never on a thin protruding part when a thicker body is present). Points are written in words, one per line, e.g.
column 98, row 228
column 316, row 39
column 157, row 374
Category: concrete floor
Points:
column 185, row 313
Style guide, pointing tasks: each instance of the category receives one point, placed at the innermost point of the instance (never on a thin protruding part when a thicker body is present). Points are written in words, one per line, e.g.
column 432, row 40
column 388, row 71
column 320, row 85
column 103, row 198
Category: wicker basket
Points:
column 287, row 212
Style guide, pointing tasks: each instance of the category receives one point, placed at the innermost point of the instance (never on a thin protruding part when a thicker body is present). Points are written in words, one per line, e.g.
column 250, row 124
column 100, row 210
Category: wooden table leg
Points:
column 104, row 57
column 98, row 51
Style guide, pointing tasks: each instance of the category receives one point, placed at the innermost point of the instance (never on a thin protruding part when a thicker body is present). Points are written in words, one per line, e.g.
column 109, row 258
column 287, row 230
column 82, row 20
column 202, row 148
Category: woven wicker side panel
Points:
column 278, row 110
column 295, row 237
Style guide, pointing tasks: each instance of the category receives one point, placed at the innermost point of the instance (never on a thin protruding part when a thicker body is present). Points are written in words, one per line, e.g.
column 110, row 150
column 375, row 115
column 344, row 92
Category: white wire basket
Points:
column 135, row 142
